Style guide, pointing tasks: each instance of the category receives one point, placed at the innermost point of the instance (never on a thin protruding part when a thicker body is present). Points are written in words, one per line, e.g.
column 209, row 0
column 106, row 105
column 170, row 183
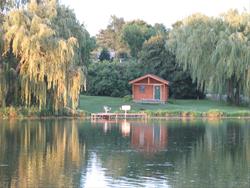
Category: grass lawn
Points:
column 173, row 107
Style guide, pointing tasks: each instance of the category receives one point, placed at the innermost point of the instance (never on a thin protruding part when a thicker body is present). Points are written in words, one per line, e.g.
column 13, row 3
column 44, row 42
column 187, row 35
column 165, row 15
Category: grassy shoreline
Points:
column 35, row 113
column 174, row 109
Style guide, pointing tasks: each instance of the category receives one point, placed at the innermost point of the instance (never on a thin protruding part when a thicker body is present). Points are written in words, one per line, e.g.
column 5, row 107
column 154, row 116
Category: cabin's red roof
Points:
column 150, row 76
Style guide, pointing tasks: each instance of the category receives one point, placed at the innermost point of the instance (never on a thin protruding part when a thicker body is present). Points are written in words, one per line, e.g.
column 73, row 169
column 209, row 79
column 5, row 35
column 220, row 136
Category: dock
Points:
column 116, row 116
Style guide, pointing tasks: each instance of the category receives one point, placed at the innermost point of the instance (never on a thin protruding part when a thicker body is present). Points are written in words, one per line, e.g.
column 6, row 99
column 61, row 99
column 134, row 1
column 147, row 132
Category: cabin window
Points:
column 142, row 88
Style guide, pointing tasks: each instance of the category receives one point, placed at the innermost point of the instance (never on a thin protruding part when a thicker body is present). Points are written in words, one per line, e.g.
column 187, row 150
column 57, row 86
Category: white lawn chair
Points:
column 107, row 109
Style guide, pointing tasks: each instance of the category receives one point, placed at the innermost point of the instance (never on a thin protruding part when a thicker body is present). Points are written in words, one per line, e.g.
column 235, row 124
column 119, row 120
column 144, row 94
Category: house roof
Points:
column 150, row 76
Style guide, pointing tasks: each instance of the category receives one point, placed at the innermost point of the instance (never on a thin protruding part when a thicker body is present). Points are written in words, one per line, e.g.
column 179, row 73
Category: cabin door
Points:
column 157, row 92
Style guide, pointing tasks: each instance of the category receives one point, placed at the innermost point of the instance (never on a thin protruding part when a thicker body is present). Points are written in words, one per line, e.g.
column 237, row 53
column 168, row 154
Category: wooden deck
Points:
column 109, row 116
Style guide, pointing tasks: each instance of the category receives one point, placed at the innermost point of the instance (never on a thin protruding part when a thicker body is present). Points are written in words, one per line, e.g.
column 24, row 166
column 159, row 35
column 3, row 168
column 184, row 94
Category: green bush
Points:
column 215, row 113
column 111, row 78
column 127, row 98
column 24, row 112
column 9, row 112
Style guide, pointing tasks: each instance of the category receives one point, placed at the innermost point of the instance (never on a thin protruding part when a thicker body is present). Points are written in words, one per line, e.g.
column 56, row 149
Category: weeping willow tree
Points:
column 9, row 4
column 2, row 76
column 66, row 25
column 216, row 51
column 47, row 69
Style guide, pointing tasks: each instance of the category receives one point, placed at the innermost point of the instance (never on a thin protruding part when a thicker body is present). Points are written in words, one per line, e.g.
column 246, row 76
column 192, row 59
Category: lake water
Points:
column 75, row 153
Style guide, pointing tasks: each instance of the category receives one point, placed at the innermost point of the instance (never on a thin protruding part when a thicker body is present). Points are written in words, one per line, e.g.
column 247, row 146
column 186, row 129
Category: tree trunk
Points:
column 237, row 95
column 230, row 91
column 233, row 92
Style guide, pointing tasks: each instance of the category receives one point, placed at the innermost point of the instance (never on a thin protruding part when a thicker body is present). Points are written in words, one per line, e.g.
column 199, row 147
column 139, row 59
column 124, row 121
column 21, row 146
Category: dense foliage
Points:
column 68, row 26
column 44, row 56
column 135, row 33
column 148, row 52
column 111, row 37
column 111, row 78
column 216, row 52
column 7, row 4
column 156, row 58
column 104, row 55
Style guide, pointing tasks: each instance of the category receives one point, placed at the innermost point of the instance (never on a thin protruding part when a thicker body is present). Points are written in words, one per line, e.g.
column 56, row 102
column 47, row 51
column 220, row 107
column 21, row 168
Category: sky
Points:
column 95, row 14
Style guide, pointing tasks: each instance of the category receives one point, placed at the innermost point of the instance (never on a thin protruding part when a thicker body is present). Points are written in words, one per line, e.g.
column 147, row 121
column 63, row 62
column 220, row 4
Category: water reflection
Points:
column 125, row 128
column 149, row 138
column 71, row 153
column 144, row 137
column 221, row 159
column 40, row 153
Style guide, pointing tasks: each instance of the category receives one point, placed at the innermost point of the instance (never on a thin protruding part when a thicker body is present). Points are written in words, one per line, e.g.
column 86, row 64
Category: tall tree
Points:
column 67, row 25
column 160, row 29
column 6, row 5
column 46, row 67
column 135, row 33
column 104, row 55
column 2, row 75
column 156, row 58
column 3, row 88
column 110, row 37
column 216, row 51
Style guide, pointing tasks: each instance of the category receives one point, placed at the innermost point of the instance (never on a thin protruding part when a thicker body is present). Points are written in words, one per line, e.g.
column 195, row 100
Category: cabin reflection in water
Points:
column 149, row 138
column 144, row 137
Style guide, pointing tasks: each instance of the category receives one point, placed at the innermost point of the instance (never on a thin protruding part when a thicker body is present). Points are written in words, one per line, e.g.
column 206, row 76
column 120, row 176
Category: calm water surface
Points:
column 74, row 153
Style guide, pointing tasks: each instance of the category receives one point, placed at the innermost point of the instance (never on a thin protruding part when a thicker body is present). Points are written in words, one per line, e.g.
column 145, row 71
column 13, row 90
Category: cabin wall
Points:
column 153, row 81
column 148, row 94
column 144, row 81
column 165, row 92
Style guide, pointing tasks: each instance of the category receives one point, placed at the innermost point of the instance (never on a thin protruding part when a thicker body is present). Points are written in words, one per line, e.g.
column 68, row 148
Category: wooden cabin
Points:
column 150, row 89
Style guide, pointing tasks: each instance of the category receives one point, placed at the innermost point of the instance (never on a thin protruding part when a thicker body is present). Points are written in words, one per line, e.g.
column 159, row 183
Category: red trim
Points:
column 149, row 76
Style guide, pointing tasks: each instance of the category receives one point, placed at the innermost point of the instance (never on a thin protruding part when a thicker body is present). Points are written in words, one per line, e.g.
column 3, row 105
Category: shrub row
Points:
column 34, row 112
column 213, row 113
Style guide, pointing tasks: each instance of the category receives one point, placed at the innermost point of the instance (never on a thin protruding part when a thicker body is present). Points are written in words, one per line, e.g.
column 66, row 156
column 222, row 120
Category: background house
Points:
column 150, row 88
